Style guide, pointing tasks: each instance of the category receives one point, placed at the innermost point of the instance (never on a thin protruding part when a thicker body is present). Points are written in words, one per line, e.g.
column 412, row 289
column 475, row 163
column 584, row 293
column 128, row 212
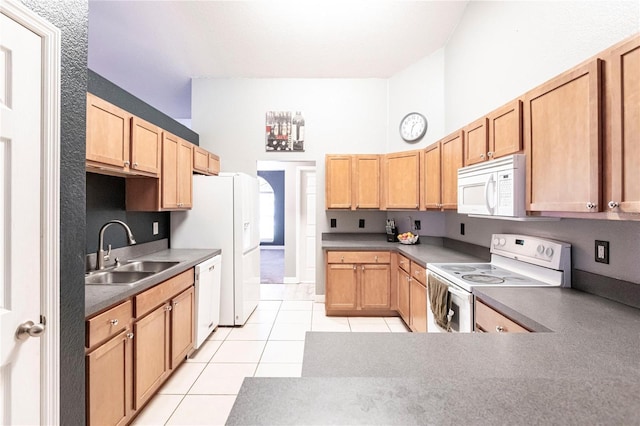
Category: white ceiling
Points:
column 153, row 48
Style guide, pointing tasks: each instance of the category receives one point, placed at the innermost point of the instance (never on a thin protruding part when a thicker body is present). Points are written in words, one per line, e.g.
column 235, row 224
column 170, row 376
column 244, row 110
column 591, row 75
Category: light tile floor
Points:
column 203, row 389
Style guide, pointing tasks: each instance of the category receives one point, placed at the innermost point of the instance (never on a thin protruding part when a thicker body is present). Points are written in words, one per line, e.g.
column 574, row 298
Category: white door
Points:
column 308, row 227
column 20, row 221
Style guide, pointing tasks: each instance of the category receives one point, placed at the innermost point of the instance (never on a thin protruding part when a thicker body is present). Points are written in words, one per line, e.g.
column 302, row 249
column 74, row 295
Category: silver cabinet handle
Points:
column 342, row 259
column 481, row 155
column 591, row 205
column 490, row 154
column 376, row 258
column 113, row 321
column 130, row 336
column 500, row 329
column 613, row 204
column 168, row 308
column 354, row 267
column 135, row 164
column 126, row 163
column 29, row 329
column 362, row 267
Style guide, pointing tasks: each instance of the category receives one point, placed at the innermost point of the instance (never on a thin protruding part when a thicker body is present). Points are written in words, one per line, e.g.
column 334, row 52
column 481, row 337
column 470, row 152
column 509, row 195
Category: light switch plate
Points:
column 155, row 228
column 602, row 251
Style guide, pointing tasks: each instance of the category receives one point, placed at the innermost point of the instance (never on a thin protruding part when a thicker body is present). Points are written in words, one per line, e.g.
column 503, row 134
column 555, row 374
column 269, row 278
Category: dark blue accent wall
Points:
column 71, row 17
column 276, row 180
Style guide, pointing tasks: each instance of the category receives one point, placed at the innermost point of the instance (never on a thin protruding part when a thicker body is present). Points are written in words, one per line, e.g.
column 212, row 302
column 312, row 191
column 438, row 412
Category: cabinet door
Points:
column 366, row 178
column 184, row 174
column 151, row 353
column 403, row 282
column 623, row 87
column 562, row 140
column 450, row 161
column 338, row 183
column 214, row 164
column 170, row 149
column 182, row 326
column 200, row 160
column 109, row 382
column 146, row 143
column 505, row 130
column 476, row 141
column 342, row 288
column 108, row 134
column 418, row 299
column 432, row 186
column 402, row 180
column 375, row 289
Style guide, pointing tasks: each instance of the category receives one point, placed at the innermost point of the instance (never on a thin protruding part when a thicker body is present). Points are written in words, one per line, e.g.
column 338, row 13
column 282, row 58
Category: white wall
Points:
column 499, row 51
column 341, row 116
column 418, row 88
column 502, row 49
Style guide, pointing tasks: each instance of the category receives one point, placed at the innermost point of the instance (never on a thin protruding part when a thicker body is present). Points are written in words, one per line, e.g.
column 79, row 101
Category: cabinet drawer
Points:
column 418, row 273
column 108, row 323
column 491, row 321
column 159, row 294
column 358, row 257
column 404, row 263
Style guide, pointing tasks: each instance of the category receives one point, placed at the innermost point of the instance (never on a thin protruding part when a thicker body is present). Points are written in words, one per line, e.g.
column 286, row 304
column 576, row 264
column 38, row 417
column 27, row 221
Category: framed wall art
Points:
column 284, row 131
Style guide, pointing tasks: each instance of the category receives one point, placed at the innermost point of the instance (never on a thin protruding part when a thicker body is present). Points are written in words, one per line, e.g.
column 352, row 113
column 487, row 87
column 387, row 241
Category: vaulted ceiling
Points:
column 154, row 48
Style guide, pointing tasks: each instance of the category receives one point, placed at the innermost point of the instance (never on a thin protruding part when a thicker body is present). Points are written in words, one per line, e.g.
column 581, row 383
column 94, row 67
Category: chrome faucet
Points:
column 100, row 256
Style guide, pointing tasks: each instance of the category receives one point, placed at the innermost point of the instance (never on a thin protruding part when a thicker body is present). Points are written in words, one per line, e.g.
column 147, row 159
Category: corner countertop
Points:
column 99, row 297
column 430, row 249
column 585, row 369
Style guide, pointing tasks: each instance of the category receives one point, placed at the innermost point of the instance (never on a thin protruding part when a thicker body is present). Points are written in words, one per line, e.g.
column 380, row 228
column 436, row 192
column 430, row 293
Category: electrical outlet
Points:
column 462, row 229
column 334, row 223
column 155, row 228
column 602, row 251
column 361, row 223
column 416, row 225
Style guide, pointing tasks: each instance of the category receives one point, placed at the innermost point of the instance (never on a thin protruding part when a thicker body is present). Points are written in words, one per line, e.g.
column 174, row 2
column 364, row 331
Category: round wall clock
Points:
column 413, row 127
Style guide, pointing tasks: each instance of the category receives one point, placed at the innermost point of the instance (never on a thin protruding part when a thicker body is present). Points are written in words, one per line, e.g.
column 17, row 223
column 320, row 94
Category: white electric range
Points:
column 516, row 261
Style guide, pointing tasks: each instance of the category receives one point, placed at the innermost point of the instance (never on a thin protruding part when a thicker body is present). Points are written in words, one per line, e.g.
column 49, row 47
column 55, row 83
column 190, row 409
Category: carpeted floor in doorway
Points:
column 271, row 266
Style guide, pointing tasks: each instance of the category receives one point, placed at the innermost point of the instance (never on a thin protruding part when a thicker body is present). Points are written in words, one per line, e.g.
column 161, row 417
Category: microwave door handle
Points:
column 487, row 202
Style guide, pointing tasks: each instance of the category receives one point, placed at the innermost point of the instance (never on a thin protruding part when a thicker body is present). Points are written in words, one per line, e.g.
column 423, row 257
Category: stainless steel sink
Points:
column 116, row 277
column 146, row 266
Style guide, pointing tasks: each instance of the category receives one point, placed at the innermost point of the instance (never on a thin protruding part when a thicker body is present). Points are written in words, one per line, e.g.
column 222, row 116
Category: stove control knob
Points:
column 540, row 249
column 502, row 241
column 549, row 251
column 496, row 241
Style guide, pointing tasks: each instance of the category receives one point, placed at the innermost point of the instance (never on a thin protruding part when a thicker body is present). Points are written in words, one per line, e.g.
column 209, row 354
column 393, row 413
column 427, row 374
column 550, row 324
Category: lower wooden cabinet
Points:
column 488, row 320
column 130, row 356
column 358, row 283
column 403, row 282
column 418, row 298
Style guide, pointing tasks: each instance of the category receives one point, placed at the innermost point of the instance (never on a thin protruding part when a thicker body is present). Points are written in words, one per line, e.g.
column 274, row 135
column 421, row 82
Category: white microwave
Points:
column 493, row 188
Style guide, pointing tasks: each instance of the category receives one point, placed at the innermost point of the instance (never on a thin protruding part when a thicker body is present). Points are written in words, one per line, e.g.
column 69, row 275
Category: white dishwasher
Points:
column 207, row 286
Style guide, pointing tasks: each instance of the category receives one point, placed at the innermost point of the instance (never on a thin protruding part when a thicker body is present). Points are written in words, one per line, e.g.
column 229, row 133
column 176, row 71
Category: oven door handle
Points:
column 458, row 291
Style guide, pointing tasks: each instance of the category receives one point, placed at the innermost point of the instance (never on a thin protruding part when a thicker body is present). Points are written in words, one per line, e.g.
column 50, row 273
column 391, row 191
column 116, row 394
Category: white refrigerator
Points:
column 225, row 216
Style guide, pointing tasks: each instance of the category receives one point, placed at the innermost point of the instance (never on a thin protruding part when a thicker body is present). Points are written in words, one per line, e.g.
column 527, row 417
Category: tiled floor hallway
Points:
column 271, row 344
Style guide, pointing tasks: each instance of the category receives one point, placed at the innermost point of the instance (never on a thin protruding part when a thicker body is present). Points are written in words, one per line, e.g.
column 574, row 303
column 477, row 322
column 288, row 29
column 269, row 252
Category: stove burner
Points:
column 485, row 266
column 459, row 268
column 483, row 279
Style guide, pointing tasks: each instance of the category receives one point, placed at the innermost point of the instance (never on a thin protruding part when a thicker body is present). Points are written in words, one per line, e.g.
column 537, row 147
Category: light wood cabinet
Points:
column 494, row 136
column 182, row 326
column 441, row 163
column 403, row 281
column 352, row 181
column 205, row 162
column 622, row 136
column 488, row 320
column 174, row 190
column 358, row 283
column 146, row 147
column 108, row 136
column 401, row 180
column 418, row 309
column 562, row 142
column 109, row 366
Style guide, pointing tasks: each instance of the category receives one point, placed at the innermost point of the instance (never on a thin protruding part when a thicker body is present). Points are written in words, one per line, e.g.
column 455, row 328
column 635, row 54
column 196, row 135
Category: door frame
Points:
column 300, row 170
column 50, row 205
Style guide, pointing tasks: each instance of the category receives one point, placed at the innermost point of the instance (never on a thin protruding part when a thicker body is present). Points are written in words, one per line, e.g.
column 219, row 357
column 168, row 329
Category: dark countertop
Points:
column 430, row 249
column 586, row 370
column 99, row 297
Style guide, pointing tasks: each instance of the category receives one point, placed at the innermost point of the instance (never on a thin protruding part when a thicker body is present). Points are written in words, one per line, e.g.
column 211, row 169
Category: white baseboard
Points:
column 319, row 298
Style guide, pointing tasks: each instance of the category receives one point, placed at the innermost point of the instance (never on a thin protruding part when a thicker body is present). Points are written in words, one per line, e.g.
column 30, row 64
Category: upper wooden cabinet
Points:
column 496, row 135
column 401, row 180
column 119, row 143
column 174, row 190
column 432, row 182
column 451, row 159
column 146, row 144
column 205, row 162
column 622, row 136
column 108, row 136
column 562, row 141
column 352, row 181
